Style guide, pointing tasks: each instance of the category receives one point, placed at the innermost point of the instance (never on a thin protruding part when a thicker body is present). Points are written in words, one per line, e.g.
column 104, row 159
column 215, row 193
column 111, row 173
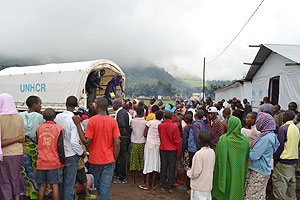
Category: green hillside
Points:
column 193, row 81
column 152, row 80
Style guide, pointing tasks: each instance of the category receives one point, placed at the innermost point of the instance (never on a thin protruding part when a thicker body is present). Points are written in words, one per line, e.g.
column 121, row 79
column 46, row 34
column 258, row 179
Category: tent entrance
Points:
column 274, row 90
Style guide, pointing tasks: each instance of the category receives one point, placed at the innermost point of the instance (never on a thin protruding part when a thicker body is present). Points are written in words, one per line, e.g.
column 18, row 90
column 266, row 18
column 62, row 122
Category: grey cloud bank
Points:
column 171, row 33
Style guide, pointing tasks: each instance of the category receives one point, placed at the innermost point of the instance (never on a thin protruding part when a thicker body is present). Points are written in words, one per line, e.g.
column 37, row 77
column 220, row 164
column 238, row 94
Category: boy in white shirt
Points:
column 72, row 146
column 201, row 173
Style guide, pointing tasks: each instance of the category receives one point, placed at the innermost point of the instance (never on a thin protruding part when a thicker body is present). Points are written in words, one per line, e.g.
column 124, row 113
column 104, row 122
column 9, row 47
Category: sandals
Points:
column 143, row 187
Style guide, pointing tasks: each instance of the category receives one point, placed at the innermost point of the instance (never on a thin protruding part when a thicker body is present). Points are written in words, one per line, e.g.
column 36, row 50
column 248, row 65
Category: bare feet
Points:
column 132, row 182
column 154, row 186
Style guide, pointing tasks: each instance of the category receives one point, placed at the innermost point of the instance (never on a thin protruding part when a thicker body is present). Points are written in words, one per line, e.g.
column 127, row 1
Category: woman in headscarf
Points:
column 260, row 156
column 12, row 136
column 231, row 163
column 32, row 119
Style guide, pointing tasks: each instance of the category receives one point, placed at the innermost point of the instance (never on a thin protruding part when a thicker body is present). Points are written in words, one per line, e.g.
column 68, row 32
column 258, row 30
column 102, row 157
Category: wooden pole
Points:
column 203, row 85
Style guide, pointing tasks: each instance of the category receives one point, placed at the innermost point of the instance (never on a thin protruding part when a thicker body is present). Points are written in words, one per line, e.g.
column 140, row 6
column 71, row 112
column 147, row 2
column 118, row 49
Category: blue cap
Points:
column 169, row 107
column 189, row 104
column 82, row 111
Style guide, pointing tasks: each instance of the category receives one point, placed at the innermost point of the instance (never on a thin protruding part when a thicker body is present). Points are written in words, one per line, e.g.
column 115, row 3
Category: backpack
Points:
column 192, row 147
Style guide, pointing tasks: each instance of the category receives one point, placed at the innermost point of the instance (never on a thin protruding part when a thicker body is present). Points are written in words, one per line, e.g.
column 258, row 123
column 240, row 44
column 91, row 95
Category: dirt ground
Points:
column 133, row 192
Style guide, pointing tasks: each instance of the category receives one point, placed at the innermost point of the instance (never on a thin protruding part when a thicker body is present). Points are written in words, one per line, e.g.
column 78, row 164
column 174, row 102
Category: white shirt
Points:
column 138, row 127
column 153, row 135
column 71, row 135
column 201, row 173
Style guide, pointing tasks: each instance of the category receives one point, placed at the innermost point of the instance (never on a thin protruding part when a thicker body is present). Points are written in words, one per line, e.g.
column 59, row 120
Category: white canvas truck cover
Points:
column 53, row 83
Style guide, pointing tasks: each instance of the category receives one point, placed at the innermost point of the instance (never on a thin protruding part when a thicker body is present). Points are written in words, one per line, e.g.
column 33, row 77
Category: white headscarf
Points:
column 7, row 105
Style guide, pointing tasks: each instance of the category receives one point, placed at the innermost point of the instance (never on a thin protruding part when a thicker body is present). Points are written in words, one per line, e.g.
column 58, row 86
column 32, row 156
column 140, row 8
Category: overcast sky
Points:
column 175, row 34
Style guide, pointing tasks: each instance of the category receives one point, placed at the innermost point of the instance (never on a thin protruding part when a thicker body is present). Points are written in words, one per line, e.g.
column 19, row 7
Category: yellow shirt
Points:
column 290, row 150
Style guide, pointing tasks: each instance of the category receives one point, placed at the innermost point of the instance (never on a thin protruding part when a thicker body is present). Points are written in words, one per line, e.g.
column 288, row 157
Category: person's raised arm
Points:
column 84, row 140
column 7, row 142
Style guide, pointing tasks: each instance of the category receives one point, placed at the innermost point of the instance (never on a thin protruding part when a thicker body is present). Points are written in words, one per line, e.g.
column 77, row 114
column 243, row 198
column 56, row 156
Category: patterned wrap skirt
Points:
column 28, row 169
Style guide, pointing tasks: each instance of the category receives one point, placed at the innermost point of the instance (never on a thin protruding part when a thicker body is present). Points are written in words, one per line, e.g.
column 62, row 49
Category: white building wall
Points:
column 289, row 83
column 237, row 92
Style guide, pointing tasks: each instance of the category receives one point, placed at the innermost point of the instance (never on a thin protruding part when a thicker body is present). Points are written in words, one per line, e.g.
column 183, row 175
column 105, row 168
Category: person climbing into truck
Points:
column 111, row 89
column 92, row 83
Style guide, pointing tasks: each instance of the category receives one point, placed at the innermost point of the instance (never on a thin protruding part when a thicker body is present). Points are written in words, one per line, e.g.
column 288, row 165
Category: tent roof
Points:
column 291, row 52
column 60, row 67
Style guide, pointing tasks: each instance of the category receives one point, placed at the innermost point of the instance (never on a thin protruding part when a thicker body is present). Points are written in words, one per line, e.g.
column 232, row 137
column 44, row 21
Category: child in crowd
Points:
column 170, row 147
column 138, row 140
column 185, row 135
column 151, row 152
column 245, row 128
column 250, row 121
column 32, row 119
column 201, row 173
column 277, row 116
column 197, row 126
column 81, row 177
column 226, row 115
column 179, row 177
column 51, row 156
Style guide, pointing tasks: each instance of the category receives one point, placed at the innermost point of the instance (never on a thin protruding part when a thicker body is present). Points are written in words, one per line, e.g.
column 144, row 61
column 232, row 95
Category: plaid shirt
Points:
column 216, row 129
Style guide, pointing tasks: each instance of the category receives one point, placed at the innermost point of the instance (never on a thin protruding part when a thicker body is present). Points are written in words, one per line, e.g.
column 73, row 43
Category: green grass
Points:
column 193, row 81
column 147, row 102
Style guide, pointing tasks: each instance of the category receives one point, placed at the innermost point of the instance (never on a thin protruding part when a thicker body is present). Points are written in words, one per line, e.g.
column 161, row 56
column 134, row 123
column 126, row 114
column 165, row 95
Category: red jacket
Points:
column 51, row 153
column 170, row 139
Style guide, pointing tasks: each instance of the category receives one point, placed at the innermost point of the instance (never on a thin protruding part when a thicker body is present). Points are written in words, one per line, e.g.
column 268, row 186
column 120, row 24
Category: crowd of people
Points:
column 226, row 150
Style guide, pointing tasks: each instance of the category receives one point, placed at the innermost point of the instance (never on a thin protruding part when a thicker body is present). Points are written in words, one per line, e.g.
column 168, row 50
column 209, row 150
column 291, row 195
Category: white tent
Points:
column 275, row 72
column 53, row 83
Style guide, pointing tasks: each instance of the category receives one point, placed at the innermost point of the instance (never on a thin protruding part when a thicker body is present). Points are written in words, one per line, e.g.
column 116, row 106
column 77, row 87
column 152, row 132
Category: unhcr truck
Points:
column 53, row 83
